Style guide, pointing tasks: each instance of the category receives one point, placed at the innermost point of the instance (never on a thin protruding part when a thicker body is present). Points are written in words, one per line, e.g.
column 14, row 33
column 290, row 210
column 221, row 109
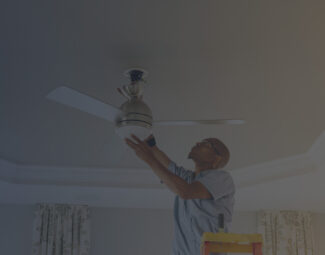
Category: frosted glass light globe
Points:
column 126, row 131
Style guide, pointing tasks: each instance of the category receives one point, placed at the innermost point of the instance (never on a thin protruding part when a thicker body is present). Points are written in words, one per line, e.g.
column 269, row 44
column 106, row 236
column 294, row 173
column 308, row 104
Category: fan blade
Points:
column 196, row 122
column 75, row 99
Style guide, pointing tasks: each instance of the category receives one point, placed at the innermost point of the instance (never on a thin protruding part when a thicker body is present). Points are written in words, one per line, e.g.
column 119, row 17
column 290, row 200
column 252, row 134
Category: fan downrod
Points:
column 136, row 74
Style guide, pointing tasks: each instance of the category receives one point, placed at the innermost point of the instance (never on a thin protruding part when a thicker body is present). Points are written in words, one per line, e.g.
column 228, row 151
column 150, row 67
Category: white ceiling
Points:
column 257, row 60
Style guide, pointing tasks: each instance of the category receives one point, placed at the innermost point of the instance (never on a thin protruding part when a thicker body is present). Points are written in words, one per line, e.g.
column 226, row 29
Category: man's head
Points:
column 211, row 153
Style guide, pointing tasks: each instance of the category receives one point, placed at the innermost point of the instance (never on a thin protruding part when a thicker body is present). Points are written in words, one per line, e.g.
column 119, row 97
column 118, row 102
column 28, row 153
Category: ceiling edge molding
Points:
column 306, row 163
column 273, row 171
column 78, row 176
column 317, row 151
column 8, row 171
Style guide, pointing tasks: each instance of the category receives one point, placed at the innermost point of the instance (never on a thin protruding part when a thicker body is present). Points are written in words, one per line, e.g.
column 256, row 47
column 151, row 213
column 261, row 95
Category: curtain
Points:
column 61, row 230
column 286, row 232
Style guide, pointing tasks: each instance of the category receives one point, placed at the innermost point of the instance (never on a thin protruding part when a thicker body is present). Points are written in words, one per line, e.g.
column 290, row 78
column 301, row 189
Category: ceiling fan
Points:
column 133, row 116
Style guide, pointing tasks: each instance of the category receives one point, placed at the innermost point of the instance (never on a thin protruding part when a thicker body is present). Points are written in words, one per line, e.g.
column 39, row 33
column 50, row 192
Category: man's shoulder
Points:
column 222, row 177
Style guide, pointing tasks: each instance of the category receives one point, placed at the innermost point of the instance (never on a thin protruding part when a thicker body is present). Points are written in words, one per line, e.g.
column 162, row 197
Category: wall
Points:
column 16, row 229
column 319, row 233
column 131, row 231
column 122, row 231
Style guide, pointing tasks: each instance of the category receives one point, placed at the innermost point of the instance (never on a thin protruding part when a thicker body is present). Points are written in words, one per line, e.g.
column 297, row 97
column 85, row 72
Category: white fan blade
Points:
column 75, row 99
column 196, row 122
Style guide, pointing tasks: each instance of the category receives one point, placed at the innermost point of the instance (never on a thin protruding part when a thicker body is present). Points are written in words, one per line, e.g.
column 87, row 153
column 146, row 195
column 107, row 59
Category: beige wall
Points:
column 319, row 233
column 131, row 231
column 123, row 231
column 16, row 223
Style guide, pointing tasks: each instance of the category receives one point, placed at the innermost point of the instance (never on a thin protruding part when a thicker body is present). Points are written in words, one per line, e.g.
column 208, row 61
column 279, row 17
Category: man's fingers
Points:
column 137, row 139
column 140, row 148
column 131, row 144
column 140, row 142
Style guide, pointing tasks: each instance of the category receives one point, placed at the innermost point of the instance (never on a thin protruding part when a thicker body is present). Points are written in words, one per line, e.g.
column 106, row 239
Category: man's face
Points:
column 203, row 151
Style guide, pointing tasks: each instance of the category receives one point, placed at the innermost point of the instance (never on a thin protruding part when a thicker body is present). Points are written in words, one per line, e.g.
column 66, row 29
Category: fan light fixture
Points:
column 135, row 117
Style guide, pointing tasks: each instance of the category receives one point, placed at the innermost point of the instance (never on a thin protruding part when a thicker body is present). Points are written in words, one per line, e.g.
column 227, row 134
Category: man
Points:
column 201, row 196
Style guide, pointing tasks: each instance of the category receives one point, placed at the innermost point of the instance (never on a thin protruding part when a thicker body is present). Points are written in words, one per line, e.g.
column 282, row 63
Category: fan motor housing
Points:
column 135, row 113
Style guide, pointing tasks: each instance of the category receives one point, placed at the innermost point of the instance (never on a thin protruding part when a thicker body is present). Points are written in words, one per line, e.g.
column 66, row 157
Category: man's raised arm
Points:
column 158, row 162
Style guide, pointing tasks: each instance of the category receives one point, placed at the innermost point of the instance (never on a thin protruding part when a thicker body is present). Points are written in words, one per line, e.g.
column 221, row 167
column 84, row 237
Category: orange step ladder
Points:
column 229, row 242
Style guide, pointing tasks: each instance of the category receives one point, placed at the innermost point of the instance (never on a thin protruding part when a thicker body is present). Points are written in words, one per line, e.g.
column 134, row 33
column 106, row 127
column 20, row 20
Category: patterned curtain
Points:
column 61, row 230
column 286, row 232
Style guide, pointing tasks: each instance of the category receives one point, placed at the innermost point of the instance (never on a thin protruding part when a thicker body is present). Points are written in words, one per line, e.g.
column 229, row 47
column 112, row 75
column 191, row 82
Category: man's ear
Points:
column 217, row 163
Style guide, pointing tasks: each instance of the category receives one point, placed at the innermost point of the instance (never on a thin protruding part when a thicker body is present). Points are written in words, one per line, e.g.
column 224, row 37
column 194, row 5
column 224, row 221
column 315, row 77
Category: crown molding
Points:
column 78, row 176
column 273, row 171
column 316, row 151
column 8, row 171
column 309, row 162
column 139, row 178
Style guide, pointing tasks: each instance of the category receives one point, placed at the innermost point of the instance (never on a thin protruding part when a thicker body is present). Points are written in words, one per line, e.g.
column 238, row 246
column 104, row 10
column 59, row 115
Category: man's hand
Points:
column 148, row 139
column 141, row 149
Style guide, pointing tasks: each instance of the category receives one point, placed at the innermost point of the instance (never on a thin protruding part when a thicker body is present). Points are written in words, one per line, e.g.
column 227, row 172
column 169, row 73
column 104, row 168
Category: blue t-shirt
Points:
column 193, row 217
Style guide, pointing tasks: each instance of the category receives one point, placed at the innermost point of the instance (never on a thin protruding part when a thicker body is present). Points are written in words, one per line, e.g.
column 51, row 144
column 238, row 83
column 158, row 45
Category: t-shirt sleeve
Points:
column 187, row 175
column 219, row 183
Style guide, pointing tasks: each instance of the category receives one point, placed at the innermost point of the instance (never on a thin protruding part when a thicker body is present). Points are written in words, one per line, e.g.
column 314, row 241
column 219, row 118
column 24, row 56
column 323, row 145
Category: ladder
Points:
column 229, row 242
